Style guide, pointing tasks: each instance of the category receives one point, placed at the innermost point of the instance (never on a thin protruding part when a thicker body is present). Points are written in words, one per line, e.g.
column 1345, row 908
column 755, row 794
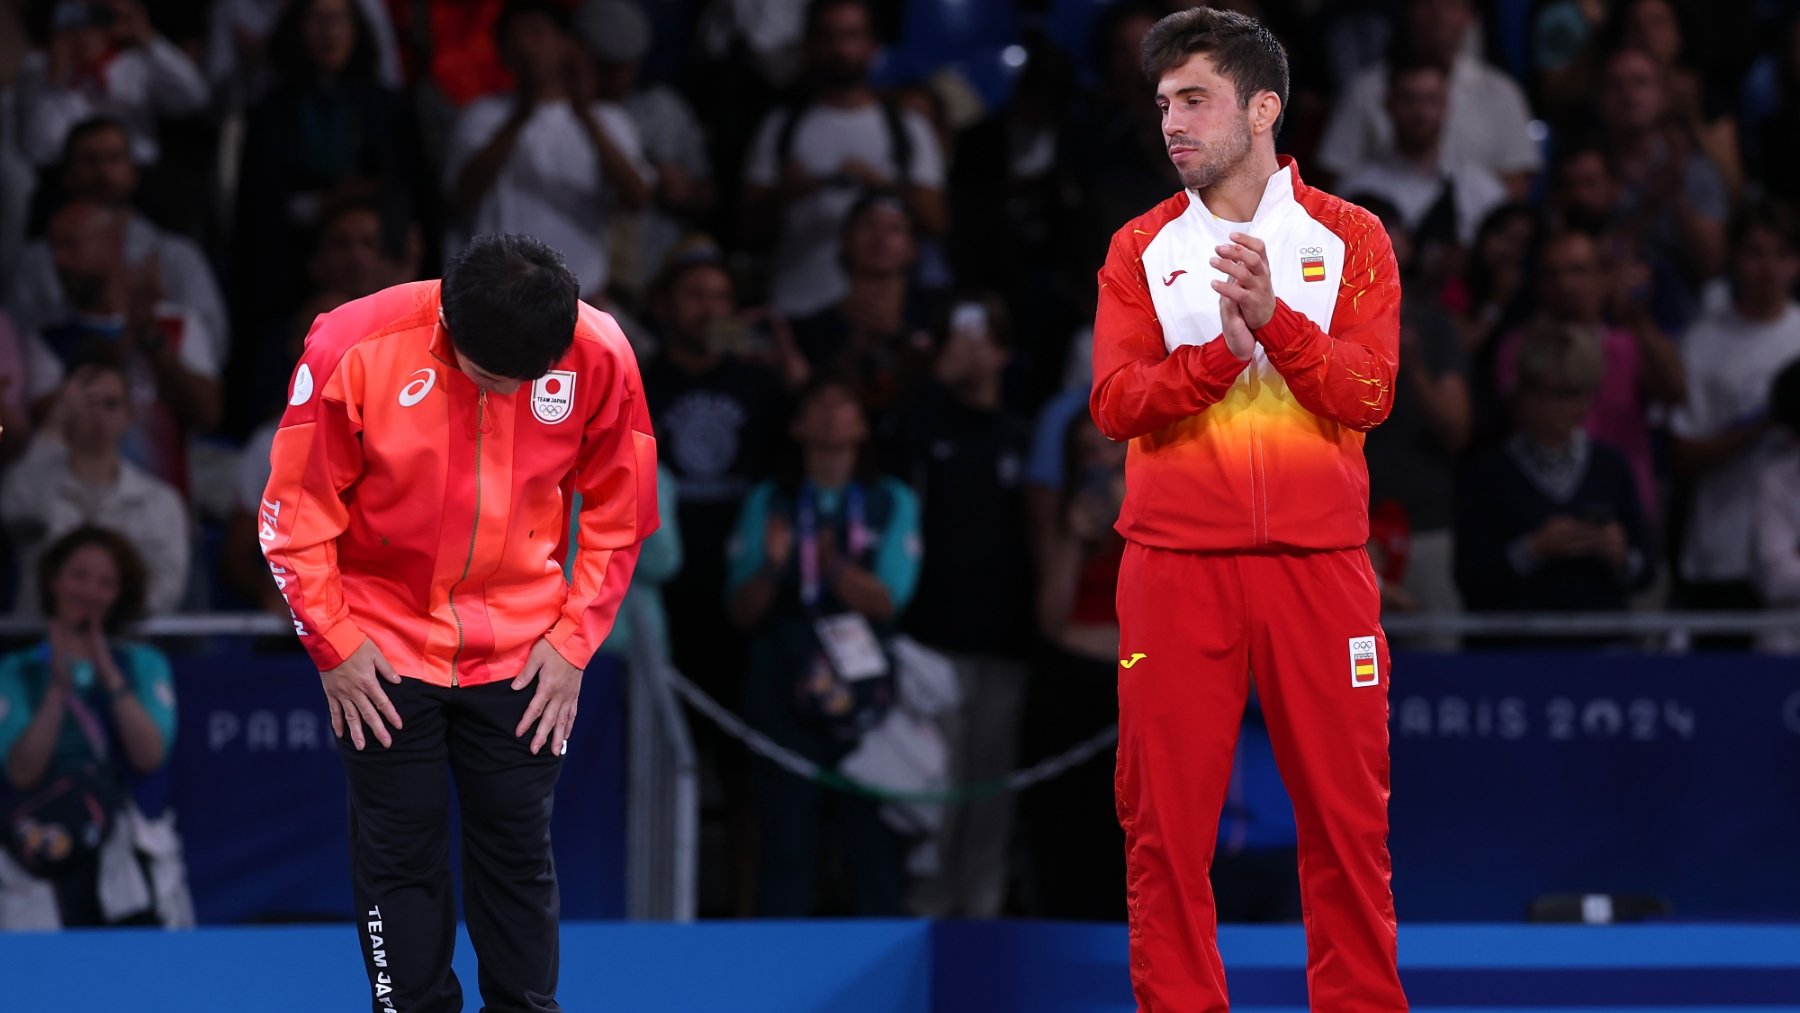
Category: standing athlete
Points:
column 415, row 520
column 1246, row 338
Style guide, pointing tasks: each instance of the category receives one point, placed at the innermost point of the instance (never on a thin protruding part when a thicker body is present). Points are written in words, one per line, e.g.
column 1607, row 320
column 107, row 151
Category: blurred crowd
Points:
column 854, row 244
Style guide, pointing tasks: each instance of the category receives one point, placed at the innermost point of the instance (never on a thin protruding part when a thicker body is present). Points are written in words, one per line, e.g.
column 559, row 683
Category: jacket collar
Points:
column 1281, row 190
column 440, row 345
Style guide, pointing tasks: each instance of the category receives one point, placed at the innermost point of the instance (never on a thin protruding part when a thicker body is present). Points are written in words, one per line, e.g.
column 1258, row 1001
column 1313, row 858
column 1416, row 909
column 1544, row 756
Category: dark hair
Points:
column 1615, row 29
column 696, row 252
column 869, row 201
column 1768, row 216
column 510, row 305
column 89, row 127
column 1408, row 60
column 287, row 46
column 104, row 355
column 1480, row 281
column 1614, row 54
column 1551, row 238
column 790, row 463
column 133, row 578
column 516, row 9
column 1243, row 51
column 1784, row 398
column 1104, row 32
column 1578, row 147
column 817, row 9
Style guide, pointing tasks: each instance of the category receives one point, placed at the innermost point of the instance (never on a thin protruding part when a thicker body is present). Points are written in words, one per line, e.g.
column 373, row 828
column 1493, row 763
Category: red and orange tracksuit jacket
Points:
column 1264, row 454
column 408, row 506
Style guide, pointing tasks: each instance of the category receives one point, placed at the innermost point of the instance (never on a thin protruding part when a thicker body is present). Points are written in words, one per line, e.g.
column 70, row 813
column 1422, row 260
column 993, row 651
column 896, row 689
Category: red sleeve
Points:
column 1346, row 376
column 617, row 481
column 317, row 455
column 1140, row 386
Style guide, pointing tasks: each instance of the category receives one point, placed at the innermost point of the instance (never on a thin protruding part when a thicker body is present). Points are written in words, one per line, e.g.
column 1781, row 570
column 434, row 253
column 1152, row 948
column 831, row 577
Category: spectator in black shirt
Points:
column 718, row 418
column 1549, row 519
column 964, row 453
column 879, row 334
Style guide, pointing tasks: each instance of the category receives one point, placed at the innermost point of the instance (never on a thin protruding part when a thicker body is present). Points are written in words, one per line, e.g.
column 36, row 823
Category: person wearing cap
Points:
column 617, row 36
column 549, row 160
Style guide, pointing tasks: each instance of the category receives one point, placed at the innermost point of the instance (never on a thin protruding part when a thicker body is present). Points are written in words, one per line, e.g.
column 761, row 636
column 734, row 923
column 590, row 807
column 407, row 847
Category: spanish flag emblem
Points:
column 1312, row 264
column 1364, row 662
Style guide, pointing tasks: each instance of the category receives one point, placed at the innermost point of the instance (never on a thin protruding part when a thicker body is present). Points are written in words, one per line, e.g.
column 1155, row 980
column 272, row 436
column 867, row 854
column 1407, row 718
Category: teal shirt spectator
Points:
column 658, row 563
column 25, row 674
column 896, row 562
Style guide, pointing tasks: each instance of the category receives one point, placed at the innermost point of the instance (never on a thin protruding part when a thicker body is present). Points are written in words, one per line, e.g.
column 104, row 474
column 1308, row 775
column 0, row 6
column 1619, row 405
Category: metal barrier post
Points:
column 663, row 792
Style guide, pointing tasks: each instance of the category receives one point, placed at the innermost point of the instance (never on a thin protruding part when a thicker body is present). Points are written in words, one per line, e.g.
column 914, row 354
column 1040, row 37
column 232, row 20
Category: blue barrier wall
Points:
column 768, row 967
column 912, row 967
column 999, row 967
column 258, row 790
column 1516, row 775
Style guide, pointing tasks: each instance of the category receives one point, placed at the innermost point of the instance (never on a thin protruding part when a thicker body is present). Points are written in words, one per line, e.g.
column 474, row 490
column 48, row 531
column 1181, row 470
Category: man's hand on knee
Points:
column 553, row 705
column 355, row 698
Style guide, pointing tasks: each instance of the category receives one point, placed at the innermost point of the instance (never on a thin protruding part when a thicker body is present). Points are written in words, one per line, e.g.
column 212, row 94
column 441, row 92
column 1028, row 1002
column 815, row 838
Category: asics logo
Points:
column 414, row 392
column 1134, row 659
column 1170, row 280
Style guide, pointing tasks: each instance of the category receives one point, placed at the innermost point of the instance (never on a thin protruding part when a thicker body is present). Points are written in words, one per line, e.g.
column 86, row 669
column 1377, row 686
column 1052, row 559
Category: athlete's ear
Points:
column 1265, row 110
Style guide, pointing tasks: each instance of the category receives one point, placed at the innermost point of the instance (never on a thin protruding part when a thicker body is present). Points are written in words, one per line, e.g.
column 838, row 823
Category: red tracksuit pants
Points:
column 1194, row 629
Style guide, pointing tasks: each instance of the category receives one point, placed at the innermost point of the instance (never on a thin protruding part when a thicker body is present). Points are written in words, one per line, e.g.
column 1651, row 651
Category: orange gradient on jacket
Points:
column 1228, row 455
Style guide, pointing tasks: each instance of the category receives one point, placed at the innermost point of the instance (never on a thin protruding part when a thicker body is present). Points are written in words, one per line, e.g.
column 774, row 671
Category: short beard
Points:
column 1219, row 161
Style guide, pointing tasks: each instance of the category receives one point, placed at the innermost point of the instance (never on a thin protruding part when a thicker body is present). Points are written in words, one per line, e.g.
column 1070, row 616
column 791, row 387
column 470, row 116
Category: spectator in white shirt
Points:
column 75, row 473
column 1724, row 429
column 117, row 312
column 1778, row 511
column 104, row 57
column 1440, row 198
column 1488, row 122
column 549, row 160
column 98, row 166
column 809, row 162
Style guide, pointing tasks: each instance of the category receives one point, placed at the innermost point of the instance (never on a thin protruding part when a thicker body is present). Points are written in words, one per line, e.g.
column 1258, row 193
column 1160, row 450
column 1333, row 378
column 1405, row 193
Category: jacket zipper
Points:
column 1259, row 511
column 474, row 527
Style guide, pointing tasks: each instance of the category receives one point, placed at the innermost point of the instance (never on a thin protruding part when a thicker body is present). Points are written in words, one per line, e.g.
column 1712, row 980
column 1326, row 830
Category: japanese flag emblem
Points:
column 553, row 395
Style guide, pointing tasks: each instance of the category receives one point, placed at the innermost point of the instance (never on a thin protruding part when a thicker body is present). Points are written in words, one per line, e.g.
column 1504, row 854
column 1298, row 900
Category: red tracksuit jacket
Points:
column 1228, row 455
column 408, row 506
